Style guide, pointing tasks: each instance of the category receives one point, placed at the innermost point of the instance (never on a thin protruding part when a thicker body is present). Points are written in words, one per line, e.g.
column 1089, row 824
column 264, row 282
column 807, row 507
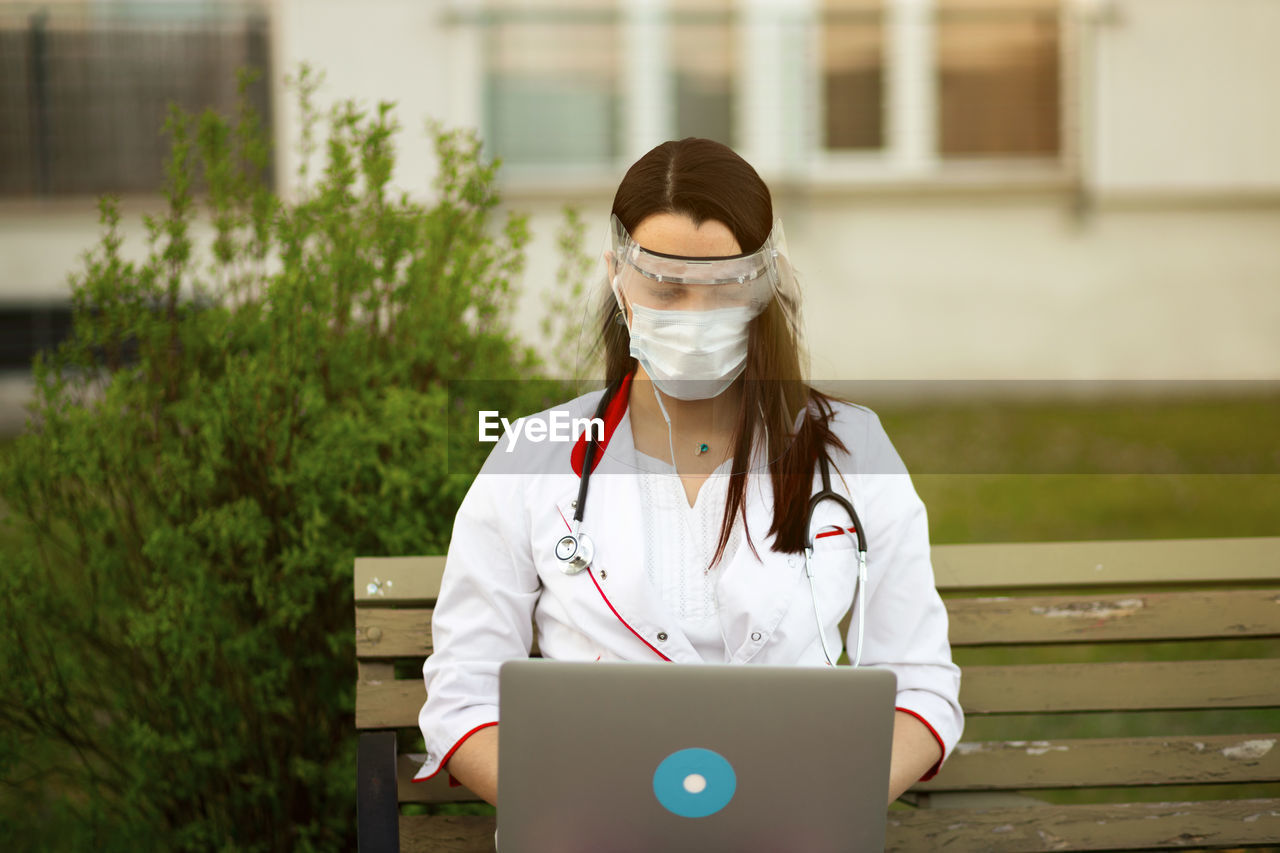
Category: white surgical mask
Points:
column 691, row 355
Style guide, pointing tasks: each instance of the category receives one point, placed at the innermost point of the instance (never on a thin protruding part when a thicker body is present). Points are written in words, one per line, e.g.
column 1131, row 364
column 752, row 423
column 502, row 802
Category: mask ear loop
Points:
column 614, row 277
column 671, row 446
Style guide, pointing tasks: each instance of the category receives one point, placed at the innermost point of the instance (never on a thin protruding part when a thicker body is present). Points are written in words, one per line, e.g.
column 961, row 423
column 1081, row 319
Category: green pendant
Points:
column 702, row 448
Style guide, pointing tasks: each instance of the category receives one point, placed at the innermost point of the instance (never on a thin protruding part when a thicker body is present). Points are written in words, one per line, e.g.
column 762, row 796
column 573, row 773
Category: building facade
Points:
column 971, row 189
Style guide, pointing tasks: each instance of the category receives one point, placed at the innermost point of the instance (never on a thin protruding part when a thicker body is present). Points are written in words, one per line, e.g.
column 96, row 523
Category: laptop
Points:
column 621, row 757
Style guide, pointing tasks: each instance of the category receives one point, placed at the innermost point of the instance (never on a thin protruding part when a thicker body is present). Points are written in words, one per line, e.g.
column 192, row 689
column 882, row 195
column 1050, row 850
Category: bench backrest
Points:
column 1068, row 647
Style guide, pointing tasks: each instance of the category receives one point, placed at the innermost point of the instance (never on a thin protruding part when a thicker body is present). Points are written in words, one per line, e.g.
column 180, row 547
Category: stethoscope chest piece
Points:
column 574, row 553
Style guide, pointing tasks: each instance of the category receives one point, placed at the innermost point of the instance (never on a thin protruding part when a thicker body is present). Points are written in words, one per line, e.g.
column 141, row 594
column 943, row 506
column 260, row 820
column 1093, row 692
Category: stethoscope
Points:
column 575, row 549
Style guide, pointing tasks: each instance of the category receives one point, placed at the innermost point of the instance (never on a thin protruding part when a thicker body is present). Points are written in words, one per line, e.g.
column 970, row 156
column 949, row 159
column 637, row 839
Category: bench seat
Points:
column 1119, row 695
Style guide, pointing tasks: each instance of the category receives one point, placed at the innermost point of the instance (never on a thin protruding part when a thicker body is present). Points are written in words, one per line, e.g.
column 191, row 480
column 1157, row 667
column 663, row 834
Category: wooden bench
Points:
column 1062, row 645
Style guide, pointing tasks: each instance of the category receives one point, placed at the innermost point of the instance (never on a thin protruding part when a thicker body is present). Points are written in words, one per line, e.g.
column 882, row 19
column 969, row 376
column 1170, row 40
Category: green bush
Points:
column 225, row 430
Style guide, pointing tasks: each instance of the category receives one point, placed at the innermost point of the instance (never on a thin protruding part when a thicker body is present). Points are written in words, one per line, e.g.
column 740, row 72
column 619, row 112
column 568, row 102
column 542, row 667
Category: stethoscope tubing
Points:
column 860, row 541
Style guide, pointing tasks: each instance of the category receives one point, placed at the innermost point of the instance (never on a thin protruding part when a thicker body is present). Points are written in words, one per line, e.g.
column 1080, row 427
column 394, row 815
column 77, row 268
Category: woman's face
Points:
column 676, row 234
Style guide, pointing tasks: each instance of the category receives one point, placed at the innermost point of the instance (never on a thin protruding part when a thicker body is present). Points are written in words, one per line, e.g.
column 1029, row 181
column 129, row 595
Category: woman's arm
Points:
column 907, row 624
column 915, row 750
column 483, row 615
column 475, row 763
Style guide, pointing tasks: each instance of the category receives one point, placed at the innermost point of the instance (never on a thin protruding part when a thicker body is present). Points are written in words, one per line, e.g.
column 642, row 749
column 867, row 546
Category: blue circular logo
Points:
column 694, row 782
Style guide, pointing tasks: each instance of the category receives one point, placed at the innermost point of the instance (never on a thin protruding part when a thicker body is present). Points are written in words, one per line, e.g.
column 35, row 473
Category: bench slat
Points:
column 1128, row 826
column 389, row 704
column 398, row 579
column 1061, row 564
column 393, row 632
column 385, row 632
column 1025, row 565
column 1191, row 614
column 1103, row 762
column 447, row 833
column 1037, row 688
column 1160, row 685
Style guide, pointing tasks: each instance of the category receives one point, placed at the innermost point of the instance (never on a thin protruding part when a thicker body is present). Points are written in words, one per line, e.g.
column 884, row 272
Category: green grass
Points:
column 1016, row 471
column 1043, row 471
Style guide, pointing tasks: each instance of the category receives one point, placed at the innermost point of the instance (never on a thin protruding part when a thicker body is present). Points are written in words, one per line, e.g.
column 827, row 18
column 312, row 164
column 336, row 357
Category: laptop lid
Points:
column 642, row 757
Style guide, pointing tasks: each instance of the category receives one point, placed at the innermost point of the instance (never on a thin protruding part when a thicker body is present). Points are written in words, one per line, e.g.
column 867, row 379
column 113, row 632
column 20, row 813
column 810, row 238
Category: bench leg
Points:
column 377, row 809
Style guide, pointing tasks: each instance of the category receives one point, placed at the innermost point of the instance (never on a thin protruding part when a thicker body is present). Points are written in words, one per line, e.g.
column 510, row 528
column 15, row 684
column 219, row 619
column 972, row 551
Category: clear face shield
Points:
column 688, row 317
column 672, row 282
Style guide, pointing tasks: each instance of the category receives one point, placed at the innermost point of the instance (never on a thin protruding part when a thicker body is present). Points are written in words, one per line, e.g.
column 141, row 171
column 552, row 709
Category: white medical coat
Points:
column 502, row 578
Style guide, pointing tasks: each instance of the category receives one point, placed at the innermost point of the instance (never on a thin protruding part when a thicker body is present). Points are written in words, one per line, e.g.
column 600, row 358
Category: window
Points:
column 704, row 62
column 552, row 83
column 570, row 82
column 923, row 82
column 852, row 74
column 83, row 98
column 998, row 78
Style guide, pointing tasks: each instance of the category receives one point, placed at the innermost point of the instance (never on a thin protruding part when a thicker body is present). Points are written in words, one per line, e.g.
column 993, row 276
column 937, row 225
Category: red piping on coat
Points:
column 624, row 621
column 933, row 771
column 454, row 783
column 612, row 417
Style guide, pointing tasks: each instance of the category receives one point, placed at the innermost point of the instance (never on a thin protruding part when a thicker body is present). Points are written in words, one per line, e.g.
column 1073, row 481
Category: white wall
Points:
column 1013, row 287
column 379, row 50
column 1187, row 96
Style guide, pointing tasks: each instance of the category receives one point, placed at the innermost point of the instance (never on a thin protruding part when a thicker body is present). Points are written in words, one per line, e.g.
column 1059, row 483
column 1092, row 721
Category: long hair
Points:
column 708, row 181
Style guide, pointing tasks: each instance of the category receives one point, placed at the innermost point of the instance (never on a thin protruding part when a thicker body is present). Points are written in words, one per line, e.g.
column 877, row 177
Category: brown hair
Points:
column 708, row 181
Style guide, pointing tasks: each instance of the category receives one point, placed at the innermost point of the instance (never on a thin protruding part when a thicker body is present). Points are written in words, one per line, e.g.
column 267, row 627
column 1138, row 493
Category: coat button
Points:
column 662, row 636
column 603, row 574
column 755, row 635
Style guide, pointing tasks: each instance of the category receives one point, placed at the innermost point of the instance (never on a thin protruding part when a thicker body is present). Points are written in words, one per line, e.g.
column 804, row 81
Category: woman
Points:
column 713, row 445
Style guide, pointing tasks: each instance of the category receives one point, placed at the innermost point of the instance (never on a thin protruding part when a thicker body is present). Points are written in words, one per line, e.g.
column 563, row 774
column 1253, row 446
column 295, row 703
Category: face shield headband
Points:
column 661, row 281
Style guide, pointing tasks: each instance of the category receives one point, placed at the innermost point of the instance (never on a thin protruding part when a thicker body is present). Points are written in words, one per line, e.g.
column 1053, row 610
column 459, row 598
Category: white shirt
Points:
column 679, row 545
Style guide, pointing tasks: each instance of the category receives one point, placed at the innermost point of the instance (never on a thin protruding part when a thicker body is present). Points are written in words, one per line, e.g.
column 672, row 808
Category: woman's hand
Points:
column 475, row 764
column 915, row 750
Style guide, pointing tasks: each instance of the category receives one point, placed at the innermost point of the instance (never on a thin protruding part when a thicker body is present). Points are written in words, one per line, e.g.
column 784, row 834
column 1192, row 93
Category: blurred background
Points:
column 971, row 189
column 1042, row 235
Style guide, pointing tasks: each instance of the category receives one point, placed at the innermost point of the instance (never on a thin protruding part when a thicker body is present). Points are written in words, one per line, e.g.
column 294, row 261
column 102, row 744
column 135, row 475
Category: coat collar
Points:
column 613, row 416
